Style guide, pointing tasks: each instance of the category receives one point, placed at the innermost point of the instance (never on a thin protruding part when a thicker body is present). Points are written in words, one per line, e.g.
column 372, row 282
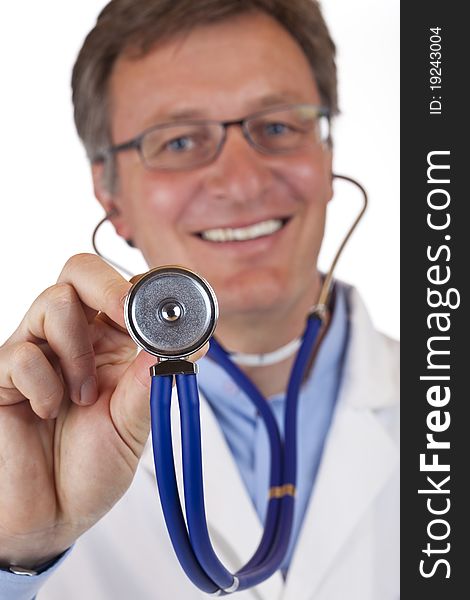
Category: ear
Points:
column 109, row 200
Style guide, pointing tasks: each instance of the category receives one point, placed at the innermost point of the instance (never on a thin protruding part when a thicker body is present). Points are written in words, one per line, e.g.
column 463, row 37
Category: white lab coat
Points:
column 348, row 546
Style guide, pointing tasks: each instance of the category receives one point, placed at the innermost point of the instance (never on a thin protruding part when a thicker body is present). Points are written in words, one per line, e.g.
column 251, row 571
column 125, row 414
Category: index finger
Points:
column 97, row 284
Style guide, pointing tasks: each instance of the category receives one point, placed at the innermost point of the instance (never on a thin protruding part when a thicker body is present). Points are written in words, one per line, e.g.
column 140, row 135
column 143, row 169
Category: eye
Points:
column 180, row 144
column 276, row 128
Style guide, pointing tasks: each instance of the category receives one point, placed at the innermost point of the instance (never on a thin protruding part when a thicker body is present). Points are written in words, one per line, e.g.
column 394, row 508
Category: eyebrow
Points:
column 275, row 99
column 186, row 113
column 254, row 106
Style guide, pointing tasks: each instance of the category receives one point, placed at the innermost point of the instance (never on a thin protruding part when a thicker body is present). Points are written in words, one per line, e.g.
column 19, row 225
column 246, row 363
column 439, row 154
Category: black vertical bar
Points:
column 435, row 262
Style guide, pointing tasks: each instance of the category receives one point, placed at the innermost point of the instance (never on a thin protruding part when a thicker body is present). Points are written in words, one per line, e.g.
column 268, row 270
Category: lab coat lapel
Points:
column 234, row 526
column 359, row 458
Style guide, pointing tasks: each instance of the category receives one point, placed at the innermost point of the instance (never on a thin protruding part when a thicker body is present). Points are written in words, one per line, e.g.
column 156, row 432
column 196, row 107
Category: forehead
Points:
column 222, row 70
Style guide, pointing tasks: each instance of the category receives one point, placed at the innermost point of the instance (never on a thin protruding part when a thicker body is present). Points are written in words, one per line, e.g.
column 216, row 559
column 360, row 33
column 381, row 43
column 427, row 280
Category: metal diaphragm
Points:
column 171, row 312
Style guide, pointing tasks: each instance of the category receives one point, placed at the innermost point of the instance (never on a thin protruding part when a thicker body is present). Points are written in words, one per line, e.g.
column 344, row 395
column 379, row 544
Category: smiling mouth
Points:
column 242, row 234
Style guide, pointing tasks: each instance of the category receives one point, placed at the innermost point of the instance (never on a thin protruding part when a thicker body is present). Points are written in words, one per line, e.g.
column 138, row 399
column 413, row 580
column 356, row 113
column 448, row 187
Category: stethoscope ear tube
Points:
column 188, row 398
column 192, row 545
column 160, row 405
column 221, row 356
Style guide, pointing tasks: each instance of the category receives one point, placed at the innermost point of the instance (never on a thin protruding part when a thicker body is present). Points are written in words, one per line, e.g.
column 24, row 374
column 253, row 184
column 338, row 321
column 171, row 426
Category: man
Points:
column 189, row 114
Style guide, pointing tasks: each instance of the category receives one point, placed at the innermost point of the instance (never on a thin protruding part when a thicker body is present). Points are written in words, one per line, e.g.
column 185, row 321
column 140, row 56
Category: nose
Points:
column 239, row 173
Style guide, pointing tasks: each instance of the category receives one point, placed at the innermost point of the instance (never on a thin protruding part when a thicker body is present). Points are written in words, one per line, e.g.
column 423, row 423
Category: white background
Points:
column 47, row 209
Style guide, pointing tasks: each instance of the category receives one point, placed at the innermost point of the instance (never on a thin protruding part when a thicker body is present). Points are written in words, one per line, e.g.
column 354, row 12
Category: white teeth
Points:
column 240, row 234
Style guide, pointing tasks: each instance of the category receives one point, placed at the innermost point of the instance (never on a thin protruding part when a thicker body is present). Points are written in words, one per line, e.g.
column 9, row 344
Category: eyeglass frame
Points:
column 136, row 142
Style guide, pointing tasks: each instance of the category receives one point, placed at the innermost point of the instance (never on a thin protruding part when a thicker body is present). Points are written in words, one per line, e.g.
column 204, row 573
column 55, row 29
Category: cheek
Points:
column 309, row 180
column 156, row 204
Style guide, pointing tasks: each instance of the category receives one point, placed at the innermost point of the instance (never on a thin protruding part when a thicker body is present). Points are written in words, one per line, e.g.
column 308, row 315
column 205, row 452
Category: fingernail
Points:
column 89, row 391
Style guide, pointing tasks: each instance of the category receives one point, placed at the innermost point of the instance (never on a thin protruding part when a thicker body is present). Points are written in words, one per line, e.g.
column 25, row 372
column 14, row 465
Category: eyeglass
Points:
column 193, row 143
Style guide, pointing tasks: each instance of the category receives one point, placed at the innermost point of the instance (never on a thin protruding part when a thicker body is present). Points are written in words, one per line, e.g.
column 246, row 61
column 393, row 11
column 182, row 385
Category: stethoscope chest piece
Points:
column 171, row 312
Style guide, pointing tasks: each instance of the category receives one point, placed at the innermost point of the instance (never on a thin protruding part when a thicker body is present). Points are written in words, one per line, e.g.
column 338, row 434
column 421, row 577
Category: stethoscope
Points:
column 171, row 312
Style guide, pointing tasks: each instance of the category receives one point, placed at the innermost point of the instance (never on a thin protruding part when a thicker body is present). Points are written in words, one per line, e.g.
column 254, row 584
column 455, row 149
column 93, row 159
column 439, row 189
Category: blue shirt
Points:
column 245, row 434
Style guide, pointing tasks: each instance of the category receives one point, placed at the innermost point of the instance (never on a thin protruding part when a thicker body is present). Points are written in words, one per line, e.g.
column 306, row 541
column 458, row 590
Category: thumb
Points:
column 130, row 403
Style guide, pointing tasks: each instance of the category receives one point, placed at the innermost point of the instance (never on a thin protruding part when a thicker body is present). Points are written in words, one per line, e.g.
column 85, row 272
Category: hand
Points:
column 74, row 413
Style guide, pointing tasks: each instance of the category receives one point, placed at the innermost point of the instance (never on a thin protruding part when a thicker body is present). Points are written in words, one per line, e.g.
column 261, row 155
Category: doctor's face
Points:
column 275, row 204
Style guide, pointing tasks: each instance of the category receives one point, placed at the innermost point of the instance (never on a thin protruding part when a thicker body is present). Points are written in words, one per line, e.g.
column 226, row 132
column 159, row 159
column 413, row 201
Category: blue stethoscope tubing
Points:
column 191, row 542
